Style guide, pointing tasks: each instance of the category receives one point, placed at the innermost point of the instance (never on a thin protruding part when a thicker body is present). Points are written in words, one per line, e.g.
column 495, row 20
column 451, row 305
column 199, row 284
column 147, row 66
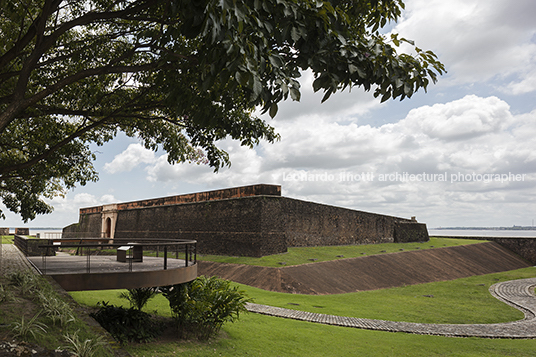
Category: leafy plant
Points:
column 24, row 328
column 127, row 325
column 6, row 294
column 56, row 309
column 53, row 307
column 25, row 280
column 86, row 348
column 178, row 298
column 139, row 297
column 202, row 306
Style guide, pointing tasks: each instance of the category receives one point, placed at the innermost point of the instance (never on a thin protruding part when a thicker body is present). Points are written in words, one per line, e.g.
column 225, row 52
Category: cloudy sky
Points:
column 463, row 154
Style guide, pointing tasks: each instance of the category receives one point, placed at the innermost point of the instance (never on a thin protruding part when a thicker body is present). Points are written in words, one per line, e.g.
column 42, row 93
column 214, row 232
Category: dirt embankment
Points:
column 373, row 272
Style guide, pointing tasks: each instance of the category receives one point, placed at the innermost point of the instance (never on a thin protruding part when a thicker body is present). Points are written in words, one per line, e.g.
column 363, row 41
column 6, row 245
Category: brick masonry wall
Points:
column 228, row 193
column 525, row 247
column 314, row 224
column 411, row 231
column 229, row 227
column 247, row 223
column 22, row 231
column 30, row 246
column 88, row 226
column 260, row 225
column 216, row 195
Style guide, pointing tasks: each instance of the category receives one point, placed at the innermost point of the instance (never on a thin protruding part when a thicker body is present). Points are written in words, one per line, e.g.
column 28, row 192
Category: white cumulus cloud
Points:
column 343, row 163
column 450, row 148
column 477, row 40
column 134, row 155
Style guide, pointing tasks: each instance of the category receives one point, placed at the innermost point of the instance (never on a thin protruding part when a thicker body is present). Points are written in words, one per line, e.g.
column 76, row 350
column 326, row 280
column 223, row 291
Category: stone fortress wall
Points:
column 243, row 221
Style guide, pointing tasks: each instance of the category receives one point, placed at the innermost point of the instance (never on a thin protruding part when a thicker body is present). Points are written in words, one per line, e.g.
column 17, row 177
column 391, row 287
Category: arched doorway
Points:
column 108, row 231
column 109, row 218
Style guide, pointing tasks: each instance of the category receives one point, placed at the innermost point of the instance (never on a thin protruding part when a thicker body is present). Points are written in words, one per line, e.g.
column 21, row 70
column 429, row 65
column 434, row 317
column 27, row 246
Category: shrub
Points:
column 178, row 298
column 127, row 325
column 202, row 306
column 139, row 297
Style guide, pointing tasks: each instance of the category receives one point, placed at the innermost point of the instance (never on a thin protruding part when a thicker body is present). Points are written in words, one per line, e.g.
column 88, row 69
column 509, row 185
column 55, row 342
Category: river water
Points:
column 481, row 233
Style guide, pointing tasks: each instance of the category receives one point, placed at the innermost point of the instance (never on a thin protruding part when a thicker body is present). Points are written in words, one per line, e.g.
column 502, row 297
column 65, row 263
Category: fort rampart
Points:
column 248, row 221
column 525, row 247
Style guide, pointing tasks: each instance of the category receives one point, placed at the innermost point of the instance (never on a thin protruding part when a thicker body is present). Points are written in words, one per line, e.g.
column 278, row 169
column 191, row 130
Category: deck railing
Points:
column 89, row 247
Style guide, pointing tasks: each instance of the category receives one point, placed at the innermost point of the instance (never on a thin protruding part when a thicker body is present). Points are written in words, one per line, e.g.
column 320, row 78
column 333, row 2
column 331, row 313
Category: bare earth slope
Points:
column 373, row 272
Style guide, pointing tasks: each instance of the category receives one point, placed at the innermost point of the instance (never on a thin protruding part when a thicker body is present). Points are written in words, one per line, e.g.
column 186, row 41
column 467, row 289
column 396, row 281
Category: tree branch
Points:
column 18, row 105
column 23, row 41
column 78, row 133
column 43, row 44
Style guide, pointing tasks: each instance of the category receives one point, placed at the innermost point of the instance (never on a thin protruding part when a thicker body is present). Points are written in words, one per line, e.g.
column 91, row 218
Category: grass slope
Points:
column 18, row 304
column 459, row 301
column 7, row 239
column 304, row 255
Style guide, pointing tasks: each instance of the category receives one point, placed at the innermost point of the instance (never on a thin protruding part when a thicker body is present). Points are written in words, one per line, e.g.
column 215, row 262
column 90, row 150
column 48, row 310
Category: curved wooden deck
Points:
column 105, row 272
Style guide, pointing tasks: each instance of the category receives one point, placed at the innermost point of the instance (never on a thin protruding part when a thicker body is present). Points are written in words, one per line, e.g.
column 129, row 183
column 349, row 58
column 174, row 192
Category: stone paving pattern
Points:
column 12, row 260
column 517, row 293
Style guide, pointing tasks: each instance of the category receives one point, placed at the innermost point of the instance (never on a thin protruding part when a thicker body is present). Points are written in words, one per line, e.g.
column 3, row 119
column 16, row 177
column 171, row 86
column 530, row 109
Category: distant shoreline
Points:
column 514, row 228
column 39, row 228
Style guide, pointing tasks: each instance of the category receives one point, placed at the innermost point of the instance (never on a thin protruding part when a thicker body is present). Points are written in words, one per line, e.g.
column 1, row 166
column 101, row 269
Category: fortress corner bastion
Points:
column 251, row 220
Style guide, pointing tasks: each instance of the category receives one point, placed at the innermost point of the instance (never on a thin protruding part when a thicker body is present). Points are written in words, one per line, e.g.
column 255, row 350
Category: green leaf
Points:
column 241, row 78
column 385, row 96
column 319, row 83
column 273, row 110
column 327, row 95
column 294, row 34
column 295, row 94
column 257, row 86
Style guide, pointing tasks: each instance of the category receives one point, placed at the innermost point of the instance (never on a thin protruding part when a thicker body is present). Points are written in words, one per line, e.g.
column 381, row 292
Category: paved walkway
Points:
column 12, row 260
column 517, row 293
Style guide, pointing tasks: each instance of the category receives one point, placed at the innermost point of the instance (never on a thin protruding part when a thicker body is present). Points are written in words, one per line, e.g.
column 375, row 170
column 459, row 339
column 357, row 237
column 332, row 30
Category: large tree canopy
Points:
column 178, row 74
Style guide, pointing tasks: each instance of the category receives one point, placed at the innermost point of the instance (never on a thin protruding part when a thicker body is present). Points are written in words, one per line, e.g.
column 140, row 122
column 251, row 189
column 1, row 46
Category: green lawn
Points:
column 459, row 301
column 7, row 239
column 258, row 335
column 304, row 255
